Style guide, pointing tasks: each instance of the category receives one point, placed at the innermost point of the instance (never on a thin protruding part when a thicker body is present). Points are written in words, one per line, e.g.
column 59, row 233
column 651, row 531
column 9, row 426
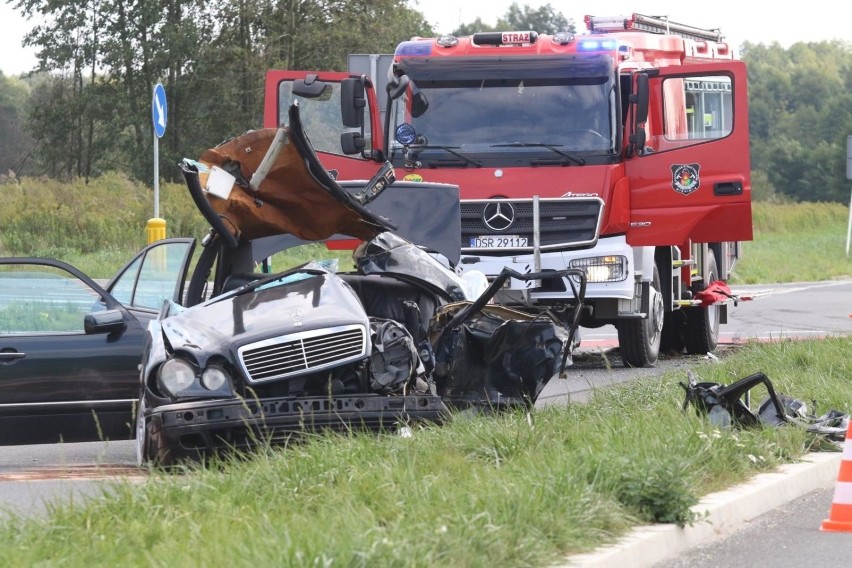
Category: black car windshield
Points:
column 241, row 284
column 484, row 109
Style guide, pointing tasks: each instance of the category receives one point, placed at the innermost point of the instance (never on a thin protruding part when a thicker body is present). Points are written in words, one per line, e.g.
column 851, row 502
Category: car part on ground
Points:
column 728, row 405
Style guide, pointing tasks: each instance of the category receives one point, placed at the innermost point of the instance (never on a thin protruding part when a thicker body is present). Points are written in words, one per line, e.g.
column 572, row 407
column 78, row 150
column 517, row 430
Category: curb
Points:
column 726, row 512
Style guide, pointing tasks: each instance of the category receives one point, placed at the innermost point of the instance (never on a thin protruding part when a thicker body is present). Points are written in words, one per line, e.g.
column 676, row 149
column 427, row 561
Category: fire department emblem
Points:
column 685, row 178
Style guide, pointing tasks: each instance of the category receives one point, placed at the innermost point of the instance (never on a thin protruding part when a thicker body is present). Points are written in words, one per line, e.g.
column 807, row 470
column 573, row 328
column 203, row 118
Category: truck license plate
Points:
column 502, row 241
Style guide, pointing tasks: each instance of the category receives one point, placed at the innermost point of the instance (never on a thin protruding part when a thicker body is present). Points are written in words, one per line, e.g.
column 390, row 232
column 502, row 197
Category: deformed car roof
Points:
column 297, row 196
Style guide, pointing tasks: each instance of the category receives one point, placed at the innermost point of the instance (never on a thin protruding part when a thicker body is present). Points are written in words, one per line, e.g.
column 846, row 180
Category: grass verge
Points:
column 795, row 242
column 513, row 490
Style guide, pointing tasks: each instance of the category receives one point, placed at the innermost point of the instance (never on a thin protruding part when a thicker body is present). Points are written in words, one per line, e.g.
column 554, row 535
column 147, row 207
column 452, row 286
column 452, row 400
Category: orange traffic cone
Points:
column 840, row 517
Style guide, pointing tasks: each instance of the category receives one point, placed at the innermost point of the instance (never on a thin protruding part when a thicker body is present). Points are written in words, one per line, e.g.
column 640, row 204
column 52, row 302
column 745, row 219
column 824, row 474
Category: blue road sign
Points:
column 159, row 110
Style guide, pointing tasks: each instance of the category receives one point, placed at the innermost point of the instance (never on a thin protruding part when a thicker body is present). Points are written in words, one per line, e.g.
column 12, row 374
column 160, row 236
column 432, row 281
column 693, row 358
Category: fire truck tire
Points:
column 639, row 339
column 701, row 334
column 674, row 325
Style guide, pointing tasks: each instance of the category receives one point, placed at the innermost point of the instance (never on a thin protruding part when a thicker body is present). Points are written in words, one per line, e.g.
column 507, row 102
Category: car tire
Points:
column 639, row 339
column 151, row 447
column 141, row 434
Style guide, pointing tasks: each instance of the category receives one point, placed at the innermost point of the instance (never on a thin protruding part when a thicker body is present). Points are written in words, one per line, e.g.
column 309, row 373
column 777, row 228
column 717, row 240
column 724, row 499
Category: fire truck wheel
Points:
column 639, row 339
column 674, row 326
column 702, row 324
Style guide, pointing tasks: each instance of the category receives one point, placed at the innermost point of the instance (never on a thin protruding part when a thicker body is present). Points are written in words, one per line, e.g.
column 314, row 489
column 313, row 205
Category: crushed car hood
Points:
column 316, row 302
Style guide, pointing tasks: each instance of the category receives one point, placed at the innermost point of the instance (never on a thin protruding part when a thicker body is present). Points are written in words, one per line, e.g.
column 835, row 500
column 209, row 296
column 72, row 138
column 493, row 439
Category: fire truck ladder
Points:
column 653, row 24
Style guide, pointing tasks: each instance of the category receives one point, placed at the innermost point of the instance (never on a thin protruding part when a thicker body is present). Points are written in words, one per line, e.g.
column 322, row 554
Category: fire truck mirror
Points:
column 419, row 105
column 352, row 102
column 639, row 100
column 397, row 87
column 642, row 94
column 311, row 88
column 352, row 143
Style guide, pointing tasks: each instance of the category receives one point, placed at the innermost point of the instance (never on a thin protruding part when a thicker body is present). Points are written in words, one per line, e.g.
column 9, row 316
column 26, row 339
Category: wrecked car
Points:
column 253, row 357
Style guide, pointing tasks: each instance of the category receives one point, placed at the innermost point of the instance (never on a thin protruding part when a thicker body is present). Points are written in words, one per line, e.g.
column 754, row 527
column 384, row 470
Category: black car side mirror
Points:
column 107, row 321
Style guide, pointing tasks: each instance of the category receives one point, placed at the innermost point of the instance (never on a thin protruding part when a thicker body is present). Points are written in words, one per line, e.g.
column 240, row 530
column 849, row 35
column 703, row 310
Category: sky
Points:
column 739, row 20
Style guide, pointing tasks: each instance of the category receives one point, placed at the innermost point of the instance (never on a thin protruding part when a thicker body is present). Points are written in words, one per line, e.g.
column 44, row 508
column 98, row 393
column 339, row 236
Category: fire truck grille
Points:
column 300, row 353
column 563, row 223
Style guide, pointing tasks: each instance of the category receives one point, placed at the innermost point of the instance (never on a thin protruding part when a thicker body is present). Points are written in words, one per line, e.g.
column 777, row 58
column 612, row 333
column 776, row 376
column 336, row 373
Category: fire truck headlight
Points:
column 602, row 268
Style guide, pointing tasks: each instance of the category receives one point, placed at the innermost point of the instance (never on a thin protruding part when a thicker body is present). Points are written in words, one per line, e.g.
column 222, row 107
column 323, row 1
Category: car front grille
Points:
column 563, row 222
column 304, row 352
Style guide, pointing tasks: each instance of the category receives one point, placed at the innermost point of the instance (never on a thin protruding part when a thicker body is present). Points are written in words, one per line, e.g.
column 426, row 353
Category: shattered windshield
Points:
column 483, row 108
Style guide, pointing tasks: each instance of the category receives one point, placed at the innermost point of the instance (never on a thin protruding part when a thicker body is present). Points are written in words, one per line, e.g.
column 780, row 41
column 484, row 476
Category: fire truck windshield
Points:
column 499, row 111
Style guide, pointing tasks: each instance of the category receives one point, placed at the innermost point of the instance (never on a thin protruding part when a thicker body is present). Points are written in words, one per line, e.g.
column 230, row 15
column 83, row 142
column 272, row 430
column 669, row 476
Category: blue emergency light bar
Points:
column 597, row 45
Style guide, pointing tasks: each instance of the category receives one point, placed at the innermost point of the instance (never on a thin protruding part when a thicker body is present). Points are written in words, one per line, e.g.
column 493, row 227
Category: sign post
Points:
column 159, row 114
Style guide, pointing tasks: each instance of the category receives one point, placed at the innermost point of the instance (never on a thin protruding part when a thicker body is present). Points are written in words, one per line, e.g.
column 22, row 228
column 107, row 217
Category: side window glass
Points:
column 709, row 112
column 159, row 274
column 696, row 109
column 43, row 299
column 122, row 289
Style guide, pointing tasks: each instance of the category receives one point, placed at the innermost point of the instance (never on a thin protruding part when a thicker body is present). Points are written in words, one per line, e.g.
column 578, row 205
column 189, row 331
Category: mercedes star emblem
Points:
column 498, row 216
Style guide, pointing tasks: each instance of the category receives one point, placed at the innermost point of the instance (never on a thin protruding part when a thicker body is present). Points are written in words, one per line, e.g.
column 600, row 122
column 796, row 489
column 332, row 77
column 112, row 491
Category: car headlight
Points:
column 214, row 378
column 176, row 376
column 181, row 378
column 602, row 268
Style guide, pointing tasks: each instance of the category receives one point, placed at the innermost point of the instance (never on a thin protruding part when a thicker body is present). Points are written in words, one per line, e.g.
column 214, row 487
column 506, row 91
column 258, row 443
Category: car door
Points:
column 691, row 180
column 69, row 350
column 156, row 273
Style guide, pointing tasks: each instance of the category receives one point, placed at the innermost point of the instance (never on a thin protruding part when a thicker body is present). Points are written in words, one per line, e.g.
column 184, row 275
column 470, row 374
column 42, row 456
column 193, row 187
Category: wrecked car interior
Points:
column 253, row 357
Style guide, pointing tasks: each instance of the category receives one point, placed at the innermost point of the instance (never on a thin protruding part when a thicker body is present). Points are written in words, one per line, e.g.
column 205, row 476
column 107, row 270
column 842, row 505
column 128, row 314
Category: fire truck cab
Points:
column 622, row 151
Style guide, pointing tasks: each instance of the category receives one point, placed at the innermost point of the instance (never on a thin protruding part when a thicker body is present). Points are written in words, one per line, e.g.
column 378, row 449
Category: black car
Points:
column 402, row 339
column 70, row 348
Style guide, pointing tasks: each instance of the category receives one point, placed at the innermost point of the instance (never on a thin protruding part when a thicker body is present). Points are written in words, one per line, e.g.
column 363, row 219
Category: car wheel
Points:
column 160, row 453
column 701, row 334
column 151, row 446
column 639, row 339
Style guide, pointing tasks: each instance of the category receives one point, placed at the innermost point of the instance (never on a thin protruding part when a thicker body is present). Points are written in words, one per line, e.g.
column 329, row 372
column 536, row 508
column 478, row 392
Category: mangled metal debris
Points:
column 729, row 406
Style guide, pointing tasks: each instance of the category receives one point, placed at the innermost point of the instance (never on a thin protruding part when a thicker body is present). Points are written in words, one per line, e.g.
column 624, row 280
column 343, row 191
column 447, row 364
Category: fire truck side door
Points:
column 692, row 178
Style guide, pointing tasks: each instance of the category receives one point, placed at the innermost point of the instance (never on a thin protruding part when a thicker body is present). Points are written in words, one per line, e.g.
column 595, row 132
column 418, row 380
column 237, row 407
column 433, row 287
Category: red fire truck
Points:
column 623, row 151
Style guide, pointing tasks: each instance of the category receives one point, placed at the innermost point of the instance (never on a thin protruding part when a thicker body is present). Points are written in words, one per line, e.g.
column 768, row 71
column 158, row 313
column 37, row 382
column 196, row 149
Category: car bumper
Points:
column 194, row 428
column 623, row 289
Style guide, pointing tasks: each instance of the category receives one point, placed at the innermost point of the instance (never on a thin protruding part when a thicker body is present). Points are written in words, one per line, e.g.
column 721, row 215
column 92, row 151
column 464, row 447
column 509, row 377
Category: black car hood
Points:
column 318, row 301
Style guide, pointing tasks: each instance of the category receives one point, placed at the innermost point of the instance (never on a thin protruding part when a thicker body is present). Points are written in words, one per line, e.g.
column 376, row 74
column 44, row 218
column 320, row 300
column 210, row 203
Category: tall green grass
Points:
column 795, row 242
column 512, row 490
column 96, row 226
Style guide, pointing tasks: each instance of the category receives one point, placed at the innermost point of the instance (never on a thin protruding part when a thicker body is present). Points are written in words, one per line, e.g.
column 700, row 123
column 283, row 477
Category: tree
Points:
column 800, row 115
column 103, row 58
column 15, row 143
column 474, row 27
column 544, row 20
